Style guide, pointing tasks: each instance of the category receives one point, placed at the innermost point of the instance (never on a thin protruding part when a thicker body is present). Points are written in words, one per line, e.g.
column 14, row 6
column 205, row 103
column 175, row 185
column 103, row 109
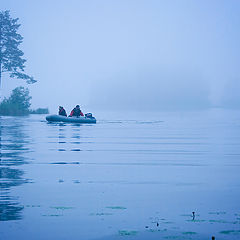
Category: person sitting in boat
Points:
column 76, row 112
column 62, row 111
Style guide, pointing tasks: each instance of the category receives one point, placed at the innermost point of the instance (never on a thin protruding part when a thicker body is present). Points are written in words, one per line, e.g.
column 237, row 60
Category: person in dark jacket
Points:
column 62, row 111
column 76, row 112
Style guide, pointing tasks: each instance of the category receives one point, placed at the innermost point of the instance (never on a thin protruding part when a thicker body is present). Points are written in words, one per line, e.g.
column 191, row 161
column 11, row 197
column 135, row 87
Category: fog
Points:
column 133, row 55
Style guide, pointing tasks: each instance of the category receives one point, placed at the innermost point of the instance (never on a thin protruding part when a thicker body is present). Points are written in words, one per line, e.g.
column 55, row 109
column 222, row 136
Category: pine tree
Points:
column 11, row 60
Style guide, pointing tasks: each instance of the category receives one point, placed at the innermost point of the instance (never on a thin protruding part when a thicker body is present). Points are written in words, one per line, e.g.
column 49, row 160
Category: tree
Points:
column 17, row 104
column 11, row 60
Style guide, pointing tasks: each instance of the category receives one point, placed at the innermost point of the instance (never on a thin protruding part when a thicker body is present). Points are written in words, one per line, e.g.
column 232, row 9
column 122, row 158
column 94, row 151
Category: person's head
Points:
column 77, row 106
column 60, row 107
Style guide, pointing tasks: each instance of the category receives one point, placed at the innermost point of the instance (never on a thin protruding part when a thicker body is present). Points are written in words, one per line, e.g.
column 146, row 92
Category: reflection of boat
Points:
column 80, row 119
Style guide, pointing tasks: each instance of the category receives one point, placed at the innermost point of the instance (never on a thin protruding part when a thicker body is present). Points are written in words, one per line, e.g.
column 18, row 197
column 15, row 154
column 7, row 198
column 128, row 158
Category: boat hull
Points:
column 80, row 119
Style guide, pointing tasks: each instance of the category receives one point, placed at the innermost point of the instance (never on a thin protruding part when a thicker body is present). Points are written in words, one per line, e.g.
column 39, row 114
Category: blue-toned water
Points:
column 130, row 176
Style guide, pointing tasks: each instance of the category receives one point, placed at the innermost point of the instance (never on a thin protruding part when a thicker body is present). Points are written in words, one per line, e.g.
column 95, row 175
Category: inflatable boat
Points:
column 80, row 119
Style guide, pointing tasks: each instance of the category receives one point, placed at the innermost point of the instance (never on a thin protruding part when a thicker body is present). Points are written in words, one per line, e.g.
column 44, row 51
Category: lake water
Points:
column 130, row 176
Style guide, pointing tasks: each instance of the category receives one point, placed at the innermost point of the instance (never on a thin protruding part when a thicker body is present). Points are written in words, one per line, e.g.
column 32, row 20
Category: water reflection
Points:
column 63, row 135
column 13, row 144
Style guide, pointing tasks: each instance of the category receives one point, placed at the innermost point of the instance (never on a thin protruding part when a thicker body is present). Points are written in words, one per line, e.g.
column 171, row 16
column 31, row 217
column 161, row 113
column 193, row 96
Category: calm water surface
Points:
column 130, row 176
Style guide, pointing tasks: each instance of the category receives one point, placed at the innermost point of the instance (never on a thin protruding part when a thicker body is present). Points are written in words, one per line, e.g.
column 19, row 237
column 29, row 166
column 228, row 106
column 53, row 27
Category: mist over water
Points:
column 162, row 79
column 130, row 54
column 150, row 90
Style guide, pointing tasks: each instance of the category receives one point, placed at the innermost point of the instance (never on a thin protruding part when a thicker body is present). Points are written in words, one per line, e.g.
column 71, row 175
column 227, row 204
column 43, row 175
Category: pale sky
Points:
column 130, row 54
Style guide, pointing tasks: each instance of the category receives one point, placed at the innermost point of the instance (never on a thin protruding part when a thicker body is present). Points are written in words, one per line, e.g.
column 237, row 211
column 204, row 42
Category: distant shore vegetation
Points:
column 18, row 104
column 39, row 111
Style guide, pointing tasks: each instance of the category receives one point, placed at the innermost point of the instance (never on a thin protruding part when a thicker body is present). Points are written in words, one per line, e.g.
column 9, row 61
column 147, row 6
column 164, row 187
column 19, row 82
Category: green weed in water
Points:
column 189, row 215
column 235, row 232
column 117, row 207
column 153, row 230
column 62, row 208
column 76, row 181
column 32, row 206
column 127, row 233
column 101, row 214
column 221, row 221
column 156, row 230
column 52, row 215
column 217, row 213
column 173, row 237
column 197, row 220
column 189, row 233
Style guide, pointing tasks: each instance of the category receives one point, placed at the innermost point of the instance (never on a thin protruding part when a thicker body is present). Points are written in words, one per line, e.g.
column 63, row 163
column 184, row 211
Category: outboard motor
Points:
column 89, row 115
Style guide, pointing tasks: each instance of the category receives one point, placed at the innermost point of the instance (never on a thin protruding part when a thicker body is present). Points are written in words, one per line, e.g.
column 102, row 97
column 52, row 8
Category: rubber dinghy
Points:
column 80, row 119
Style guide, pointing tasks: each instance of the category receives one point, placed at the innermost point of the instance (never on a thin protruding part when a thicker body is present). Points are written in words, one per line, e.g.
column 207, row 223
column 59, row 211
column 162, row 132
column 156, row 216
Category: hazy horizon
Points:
column 133, row 55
